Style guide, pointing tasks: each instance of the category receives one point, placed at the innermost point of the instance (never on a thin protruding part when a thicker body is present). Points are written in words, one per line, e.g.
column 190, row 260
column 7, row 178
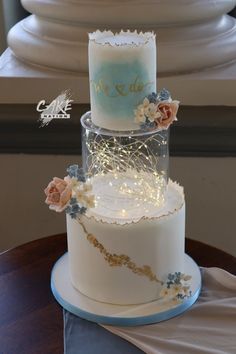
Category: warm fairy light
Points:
column 133, row 163
column 123, row 212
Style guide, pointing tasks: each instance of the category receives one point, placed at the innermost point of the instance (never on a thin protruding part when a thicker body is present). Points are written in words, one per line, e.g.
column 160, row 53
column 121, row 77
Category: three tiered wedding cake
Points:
column 125, row 218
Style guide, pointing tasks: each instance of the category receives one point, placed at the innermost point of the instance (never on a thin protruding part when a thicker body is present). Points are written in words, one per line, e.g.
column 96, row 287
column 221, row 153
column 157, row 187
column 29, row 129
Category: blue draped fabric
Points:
column 85, row 337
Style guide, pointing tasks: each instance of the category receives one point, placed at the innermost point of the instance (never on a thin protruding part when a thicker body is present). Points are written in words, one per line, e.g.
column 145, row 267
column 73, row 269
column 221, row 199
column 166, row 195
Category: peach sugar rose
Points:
column 58, row 194
column 168, row 111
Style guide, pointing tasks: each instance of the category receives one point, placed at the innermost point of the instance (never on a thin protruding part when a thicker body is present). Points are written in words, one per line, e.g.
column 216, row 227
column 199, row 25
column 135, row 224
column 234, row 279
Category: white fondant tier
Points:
column 124, row 263
column 122, row 71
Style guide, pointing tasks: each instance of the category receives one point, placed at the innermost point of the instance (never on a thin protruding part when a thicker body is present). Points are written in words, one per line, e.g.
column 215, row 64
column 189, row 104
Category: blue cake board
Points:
column 129, row 315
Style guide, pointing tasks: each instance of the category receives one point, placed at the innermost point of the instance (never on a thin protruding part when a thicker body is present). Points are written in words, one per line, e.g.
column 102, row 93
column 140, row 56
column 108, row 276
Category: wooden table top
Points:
column 30, row 319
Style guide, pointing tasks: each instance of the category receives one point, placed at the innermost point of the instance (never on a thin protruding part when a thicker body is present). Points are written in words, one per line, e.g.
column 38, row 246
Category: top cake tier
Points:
column 122, row 72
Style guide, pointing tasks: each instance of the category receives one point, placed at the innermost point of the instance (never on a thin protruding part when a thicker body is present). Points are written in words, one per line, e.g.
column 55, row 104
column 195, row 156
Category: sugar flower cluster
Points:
column 176, row 286
column 157, row 110
column 72, row 194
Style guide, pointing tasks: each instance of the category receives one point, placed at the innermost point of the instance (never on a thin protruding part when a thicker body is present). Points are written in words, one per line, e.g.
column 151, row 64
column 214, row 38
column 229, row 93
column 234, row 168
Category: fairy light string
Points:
column 134, row 163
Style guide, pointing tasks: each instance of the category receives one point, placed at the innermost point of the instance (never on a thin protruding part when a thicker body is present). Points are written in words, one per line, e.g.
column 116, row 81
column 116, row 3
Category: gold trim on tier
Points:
column 115, row 260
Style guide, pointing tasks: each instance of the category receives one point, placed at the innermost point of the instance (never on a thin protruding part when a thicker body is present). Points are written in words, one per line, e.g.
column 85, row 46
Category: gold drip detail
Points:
column 119, row 260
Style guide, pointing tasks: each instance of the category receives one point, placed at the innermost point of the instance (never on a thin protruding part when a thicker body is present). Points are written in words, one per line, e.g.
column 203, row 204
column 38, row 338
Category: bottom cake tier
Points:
column 133, row 262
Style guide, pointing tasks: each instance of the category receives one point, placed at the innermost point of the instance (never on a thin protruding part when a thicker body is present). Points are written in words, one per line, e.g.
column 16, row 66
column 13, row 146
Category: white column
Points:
column 192, row 35
column 195, row 39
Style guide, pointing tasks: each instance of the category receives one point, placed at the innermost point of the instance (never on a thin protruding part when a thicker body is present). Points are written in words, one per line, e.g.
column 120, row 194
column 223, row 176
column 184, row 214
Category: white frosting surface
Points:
column 113, row 206
column 122, row 40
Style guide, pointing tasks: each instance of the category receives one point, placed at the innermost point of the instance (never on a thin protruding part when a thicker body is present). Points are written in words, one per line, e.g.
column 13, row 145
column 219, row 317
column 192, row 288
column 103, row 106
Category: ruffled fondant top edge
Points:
column 171, row 184
column 96, row 35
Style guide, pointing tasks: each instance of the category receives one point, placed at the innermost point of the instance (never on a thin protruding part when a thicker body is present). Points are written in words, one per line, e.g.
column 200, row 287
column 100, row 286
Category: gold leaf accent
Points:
column 119, row 260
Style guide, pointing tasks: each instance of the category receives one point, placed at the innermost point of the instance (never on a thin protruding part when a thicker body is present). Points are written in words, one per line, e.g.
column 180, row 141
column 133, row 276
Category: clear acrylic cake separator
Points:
column 129, row 170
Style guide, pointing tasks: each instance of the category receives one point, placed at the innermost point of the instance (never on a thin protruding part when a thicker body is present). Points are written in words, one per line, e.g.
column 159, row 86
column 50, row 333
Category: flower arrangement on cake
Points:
column 72, row 194
column 157, row 110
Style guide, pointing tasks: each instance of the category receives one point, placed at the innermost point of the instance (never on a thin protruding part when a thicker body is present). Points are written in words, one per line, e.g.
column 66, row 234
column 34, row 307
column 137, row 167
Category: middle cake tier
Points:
column 128, row 170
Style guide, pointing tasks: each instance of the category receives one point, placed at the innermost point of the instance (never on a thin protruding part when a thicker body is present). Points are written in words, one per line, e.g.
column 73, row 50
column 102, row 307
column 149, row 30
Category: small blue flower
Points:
column 74, row 209
column 82, row 210
column 76, row 172
column 72, row 170
column 169, row 283
column 171, row 276
column 73, row 215
column 73, row 201
column 152, row 97
column 67, row 209
column 164, row 95
column 177, row 277
column 174, row 281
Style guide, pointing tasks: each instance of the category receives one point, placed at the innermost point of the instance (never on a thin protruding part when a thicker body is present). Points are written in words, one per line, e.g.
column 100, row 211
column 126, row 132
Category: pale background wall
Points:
column 209, row 186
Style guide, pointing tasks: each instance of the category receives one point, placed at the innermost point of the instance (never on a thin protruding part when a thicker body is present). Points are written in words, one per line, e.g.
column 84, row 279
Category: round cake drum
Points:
column 120, row 315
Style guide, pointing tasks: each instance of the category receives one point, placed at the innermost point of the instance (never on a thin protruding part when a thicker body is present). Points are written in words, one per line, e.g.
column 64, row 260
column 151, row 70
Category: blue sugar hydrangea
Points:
column 174, row 278
column 164, row 95
column 73, row 201
column 76, row 172
column 74, row 209
column 171, row 276
column 152, row 97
